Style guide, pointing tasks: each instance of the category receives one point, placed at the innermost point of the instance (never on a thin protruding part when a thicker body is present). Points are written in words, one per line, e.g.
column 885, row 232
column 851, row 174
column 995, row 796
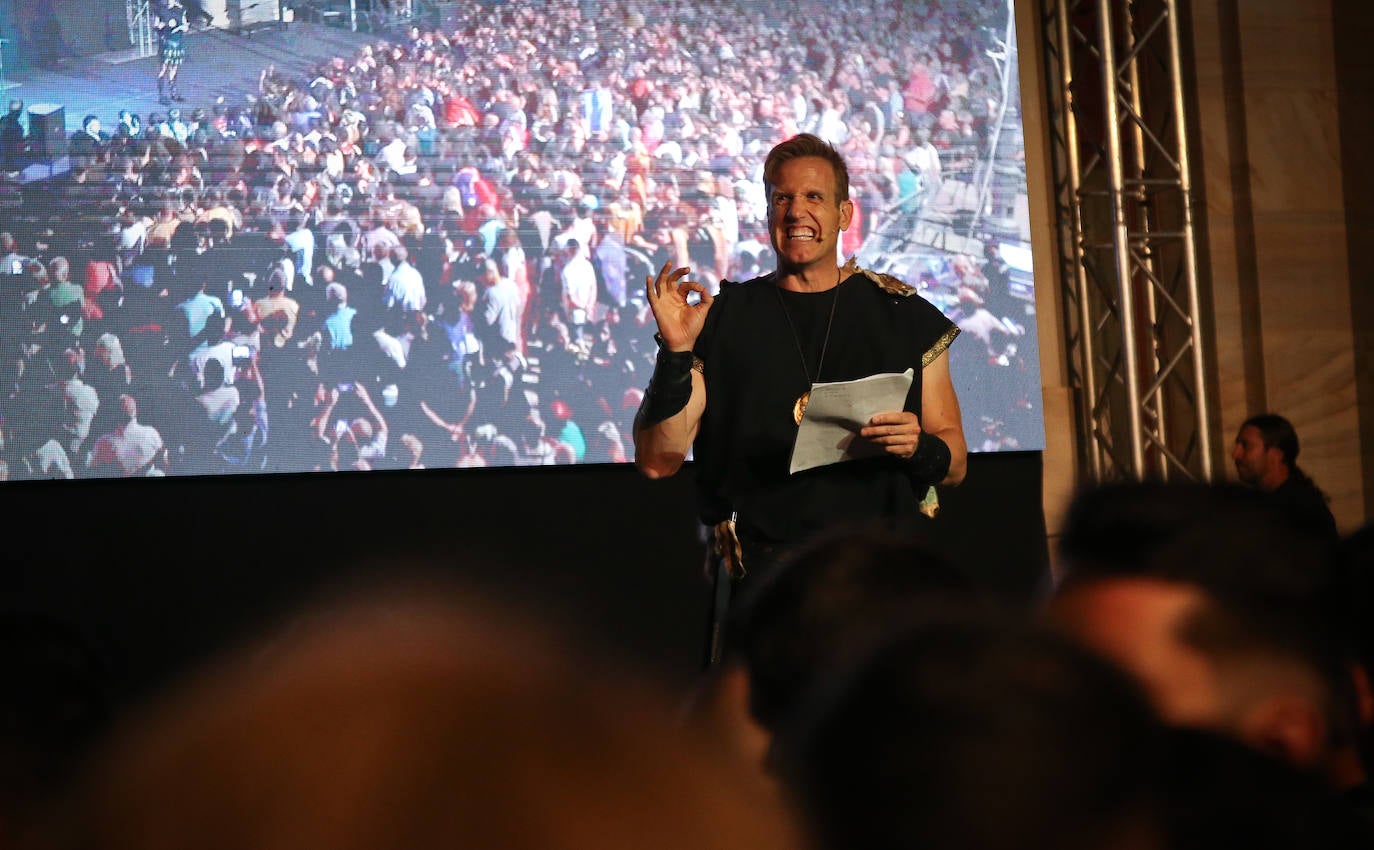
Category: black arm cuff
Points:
column 669, row 389
column 930, row 462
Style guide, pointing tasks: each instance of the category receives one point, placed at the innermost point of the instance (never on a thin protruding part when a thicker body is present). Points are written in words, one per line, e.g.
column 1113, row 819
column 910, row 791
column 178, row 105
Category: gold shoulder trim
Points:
column 886, row 282
column 940, row 345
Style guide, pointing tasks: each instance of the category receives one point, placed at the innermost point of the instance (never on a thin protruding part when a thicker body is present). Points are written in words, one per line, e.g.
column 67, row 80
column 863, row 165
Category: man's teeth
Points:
column 801, row 233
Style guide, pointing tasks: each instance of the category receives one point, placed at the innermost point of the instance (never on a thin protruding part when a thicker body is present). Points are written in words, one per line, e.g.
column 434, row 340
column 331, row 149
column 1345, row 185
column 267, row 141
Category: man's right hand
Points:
column 679, row 322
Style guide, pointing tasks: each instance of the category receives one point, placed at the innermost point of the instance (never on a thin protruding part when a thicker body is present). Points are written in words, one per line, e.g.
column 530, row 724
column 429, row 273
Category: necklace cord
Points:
column 825, row 343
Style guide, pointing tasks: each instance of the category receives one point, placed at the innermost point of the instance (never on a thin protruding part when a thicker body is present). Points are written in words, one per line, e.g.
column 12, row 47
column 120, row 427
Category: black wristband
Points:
column 930, row 462
column 670, row 387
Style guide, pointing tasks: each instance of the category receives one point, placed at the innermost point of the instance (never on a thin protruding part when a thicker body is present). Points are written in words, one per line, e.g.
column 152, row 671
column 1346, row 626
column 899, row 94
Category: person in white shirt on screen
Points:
column 405, row 288
column 579, row 285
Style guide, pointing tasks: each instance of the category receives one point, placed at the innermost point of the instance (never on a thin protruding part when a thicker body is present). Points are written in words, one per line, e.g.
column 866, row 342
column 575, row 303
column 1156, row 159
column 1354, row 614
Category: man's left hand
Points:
column 898, row 433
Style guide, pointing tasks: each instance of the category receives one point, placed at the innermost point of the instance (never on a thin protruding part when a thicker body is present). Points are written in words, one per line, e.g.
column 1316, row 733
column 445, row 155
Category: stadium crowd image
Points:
column 431, row 251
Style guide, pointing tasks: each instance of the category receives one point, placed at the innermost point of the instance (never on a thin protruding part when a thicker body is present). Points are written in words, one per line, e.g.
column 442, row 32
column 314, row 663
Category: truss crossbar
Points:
column 140, row 21
column 1124, row 218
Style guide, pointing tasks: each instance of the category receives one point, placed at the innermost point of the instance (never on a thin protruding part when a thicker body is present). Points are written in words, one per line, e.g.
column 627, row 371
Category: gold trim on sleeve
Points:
column 939, row 347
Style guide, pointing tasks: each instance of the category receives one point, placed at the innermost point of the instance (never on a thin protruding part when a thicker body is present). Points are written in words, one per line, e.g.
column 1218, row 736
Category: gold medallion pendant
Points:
column 799, row 406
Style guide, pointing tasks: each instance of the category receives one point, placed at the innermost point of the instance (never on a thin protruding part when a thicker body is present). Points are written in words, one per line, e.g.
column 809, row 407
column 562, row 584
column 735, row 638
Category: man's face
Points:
column 1135, row 623
column 805, row 215
column 1252, row 458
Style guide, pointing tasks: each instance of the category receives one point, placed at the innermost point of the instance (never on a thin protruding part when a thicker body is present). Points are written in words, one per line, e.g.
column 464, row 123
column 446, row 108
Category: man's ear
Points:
column 1273, row 455
column 1288, row 726
column 846, row 213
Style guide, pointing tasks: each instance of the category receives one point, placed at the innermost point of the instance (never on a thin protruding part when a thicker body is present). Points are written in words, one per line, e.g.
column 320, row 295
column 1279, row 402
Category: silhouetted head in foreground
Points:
column 977, row 735
column 1223, row 612
column 411, row 720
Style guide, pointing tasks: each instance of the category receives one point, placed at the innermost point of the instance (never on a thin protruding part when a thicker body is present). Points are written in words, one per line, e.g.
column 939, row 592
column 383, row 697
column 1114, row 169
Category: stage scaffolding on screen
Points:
column 393, row 16
column 1126, row 238
column 141, row 36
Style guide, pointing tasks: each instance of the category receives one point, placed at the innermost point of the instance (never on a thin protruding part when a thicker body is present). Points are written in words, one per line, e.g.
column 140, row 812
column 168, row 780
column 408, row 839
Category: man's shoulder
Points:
column 1299, row 489
column 909, row 312
column 885, row 283
column 752, row 285
column 1306, row 505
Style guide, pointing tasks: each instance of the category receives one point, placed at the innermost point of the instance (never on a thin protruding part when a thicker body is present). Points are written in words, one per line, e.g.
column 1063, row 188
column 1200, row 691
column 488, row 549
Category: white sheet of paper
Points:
column 829, row 431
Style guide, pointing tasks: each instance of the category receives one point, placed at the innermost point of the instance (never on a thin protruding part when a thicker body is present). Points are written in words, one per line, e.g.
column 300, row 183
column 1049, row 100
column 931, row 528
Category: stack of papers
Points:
column 829, row 430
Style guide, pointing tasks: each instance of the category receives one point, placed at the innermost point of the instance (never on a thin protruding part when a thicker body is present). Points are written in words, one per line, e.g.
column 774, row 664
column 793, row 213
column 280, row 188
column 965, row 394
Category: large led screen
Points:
column 351, row 239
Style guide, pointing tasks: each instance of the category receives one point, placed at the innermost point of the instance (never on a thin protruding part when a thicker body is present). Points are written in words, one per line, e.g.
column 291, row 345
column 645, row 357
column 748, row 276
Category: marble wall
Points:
column 1278, row 245
column 1279, row 105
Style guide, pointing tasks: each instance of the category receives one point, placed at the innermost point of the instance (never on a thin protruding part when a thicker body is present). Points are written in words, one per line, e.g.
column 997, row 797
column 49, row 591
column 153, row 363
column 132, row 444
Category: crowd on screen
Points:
column 430, row 253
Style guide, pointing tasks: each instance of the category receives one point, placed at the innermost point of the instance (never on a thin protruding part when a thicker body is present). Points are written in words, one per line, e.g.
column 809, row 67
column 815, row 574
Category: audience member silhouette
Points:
column 1215, row 791
column 1198, row 679
column 810, row 616
column 975, row 734
column 1266, row 457
column 1223, row 611
column 55, row 708
column 417, row 717
column 1353, row 592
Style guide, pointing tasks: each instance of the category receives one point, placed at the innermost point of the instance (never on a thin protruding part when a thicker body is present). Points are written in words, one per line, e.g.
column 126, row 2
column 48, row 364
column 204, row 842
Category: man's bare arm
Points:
column 908, row 436
column 670, row 415
column 940, row 415
column 661, row 448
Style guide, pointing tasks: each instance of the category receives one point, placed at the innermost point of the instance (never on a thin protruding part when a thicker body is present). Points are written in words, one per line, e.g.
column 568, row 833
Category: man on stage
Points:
column 734, row 373
column 171, row 22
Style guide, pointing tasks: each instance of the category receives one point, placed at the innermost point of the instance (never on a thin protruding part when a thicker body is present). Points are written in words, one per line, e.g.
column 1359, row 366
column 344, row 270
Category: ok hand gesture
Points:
column 679, row 322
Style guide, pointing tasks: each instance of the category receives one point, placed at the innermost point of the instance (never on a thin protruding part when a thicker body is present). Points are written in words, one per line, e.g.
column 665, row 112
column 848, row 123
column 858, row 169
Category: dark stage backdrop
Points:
column 159, row 574
column 62, row 29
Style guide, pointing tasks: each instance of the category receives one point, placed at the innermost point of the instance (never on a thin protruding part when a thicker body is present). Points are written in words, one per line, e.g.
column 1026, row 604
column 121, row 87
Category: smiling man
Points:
column 734, row 372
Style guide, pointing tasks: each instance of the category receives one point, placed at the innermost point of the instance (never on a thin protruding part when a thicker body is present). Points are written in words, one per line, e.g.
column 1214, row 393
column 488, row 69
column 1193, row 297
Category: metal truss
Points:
column 382, row 16
column 1127, row 258
column 140, row 20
